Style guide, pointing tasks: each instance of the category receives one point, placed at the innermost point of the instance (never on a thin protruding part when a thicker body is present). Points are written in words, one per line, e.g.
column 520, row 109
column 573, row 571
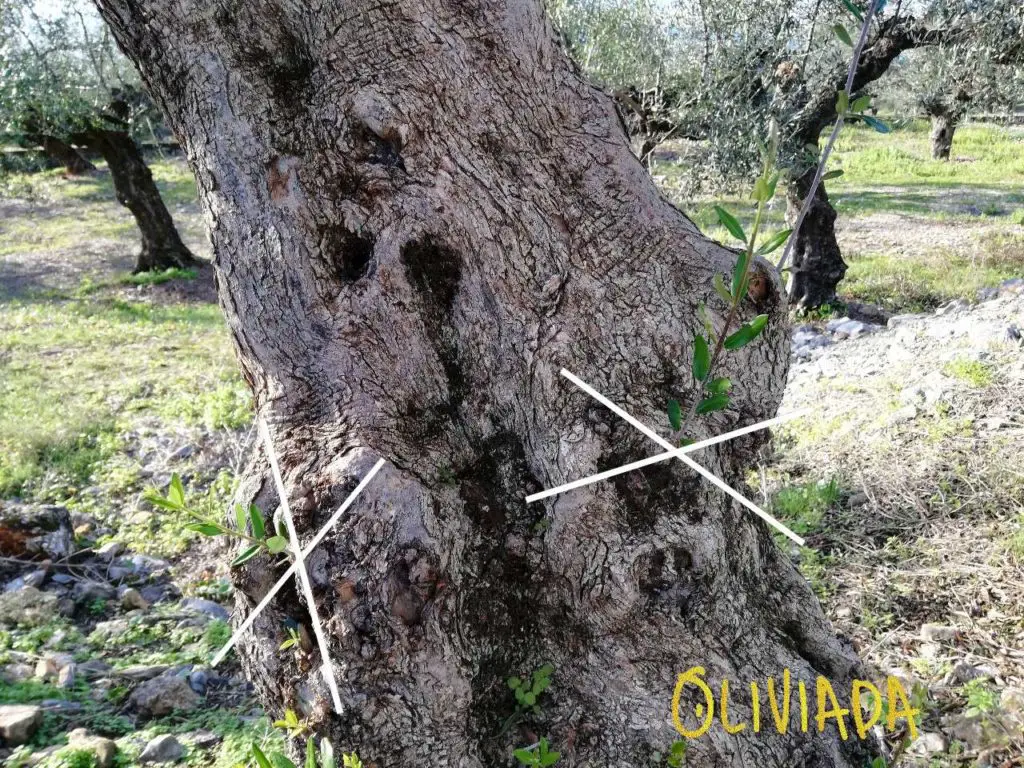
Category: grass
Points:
column 976, row 199
column 973, row 372
column 95, row 220
column 75, row 371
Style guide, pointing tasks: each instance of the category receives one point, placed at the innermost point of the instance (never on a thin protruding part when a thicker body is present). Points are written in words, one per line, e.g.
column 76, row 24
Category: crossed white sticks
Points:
column 301, row 554
column 673, row 452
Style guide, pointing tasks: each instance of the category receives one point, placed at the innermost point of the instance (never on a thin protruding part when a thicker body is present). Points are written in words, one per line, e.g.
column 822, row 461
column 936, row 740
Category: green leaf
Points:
column 277, row 544
column 713, row 403
column 842, row 103
column 514, row 683
column 176, row 493
column 719, row 386
column 524, row 756
column 280, row 761
column 739, row 272
column 701, row 358
column 530, row 698
column 774, row 241
column 833, row 174
column 159, row 501
column 550, row 758
column 761, row 192
column 730, row 223
column 675, row 415
column 747, row 333
column 310, row 753
column 857, row 14
column 723, row 292
column 207, row 529
column 875, row 123
column 259, row 528
column 842, row 34
column 861, row 103
column 247, row 555
column 261, row 759
column 773, row 183
column 240, row 518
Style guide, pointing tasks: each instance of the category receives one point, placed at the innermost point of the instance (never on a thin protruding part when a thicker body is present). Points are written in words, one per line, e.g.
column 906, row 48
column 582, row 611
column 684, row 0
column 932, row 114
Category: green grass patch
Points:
column 71, row 372
column 802, row 507
column 974, row 372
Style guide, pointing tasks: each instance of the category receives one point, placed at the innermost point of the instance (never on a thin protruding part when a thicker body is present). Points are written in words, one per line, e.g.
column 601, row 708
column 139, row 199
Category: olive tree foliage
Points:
column 59, row 67
column 63, row 83
column 980, row 72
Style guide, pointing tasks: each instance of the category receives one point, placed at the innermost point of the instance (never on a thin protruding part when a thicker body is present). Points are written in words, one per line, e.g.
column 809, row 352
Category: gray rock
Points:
column 182, row 453
column 161, row 696
column 208, row 607
column 63, row 578
column 1011, row 701
column 132, row 600
column 936, row 633
column 1011, row 334
column 17, row 672
column 27, row 607
column 93, row 668
column 142, row 671
column 67, row 675
column 18, row 723
column 90, row 591
column 36, row 529
column 162, row 749
column 198, row 680
column 109, row 551
column 33, row 579
column 203, row 739
column 143, row 564
column 928, row 744
column 858, row 499
column 105, row 750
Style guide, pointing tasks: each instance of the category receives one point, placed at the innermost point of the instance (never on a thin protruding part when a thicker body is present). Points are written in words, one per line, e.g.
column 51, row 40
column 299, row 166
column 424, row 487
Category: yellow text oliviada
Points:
column 828, row 708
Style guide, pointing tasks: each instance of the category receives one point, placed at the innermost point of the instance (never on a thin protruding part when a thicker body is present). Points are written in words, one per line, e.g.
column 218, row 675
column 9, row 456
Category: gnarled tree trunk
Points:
column 420, row 214
column 162, row 247
column 816, row 262
column 943, row 128
column 63, row 153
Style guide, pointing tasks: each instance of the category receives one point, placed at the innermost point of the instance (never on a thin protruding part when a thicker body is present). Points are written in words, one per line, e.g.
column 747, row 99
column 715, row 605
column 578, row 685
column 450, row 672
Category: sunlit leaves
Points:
column 844, row 37
column 730, row 223
column 747, row 333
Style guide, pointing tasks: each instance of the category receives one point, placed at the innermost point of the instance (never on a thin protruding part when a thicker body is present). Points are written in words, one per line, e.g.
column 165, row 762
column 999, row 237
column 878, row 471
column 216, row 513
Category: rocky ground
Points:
column 906, row 482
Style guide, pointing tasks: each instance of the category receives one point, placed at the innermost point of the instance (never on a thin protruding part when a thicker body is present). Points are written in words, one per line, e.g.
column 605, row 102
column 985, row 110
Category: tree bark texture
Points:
column 816, row 262
column 943, row 128
column 162, row 247
column 420, row 213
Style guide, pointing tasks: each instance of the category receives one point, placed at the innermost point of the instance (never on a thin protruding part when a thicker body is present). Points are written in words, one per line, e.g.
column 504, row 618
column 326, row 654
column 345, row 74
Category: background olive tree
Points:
column 725, row 70
column 63, row 84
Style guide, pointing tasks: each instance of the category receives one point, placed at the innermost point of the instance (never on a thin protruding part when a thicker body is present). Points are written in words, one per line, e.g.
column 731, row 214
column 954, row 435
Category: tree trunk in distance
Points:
column 62, row 152
column 816, row 262
column 162, row 247
column 943, row 128
column 420, row 213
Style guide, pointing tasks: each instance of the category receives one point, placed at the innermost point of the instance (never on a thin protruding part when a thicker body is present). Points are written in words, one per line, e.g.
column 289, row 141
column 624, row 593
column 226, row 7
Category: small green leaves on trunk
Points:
column 701, row 358
column 774, row 242
column 675, row 415
column 747, row 333
column 713, row 403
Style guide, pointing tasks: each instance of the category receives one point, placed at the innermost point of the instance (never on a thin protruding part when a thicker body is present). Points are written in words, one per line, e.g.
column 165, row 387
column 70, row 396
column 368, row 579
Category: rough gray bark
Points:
column 162, row 247
column 816, row 262
column 943, row 128
column 419, row 214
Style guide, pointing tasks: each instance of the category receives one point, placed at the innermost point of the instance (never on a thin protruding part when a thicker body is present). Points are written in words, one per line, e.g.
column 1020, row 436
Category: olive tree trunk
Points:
column 162, row 247
column 816, row 263
column 943, row 128
column 64, row 155
column 420, row 213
